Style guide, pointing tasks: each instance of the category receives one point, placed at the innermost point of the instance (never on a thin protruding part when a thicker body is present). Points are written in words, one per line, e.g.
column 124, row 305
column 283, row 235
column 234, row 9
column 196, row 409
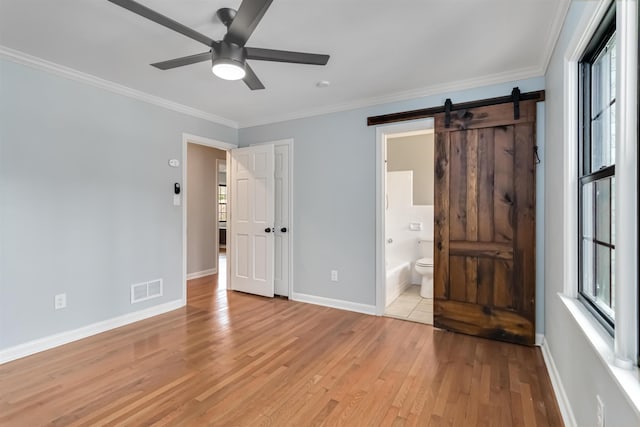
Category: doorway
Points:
column 404, row 226
column 222, row 211
column 203, row 182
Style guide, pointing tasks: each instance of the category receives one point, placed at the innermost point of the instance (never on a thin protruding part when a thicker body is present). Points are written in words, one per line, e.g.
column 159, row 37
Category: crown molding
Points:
column 492, row 79
column 79, row 76
column 556, row 28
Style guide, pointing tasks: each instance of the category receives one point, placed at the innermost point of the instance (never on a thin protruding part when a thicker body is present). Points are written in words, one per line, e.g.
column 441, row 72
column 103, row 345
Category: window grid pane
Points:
column 597, row 179
column 222, row 203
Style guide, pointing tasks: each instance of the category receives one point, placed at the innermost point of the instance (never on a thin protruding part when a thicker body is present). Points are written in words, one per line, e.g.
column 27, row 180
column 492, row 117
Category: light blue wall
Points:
column 334, row 193
column 86, row 198
column 85, row 201
column 580, row 368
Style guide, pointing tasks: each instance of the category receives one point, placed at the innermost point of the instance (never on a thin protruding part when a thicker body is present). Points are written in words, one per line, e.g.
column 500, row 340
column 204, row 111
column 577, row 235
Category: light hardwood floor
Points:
column 230, row 359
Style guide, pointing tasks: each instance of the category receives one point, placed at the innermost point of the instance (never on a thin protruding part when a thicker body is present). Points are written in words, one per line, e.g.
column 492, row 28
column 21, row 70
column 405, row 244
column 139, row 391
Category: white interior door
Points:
column 252, row 219
column 282, row 221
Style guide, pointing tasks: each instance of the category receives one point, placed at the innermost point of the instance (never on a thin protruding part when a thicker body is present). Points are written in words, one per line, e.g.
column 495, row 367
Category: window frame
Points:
column 586, row 175
column 226, row 212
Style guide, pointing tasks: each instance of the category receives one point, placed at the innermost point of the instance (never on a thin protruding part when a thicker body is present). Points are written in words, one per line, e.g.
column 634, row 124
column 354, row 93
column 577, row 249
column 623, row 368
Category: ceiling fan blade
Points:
column 249, row 15
column 251, row 79
column 286, row 56
column 158, row 18
column 185, row 60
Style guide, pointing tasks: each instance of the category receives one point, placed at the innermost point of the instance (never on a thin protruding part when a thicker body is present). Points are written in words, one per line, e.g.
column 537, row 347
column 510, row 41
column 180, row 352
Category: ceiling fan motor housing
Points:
column 230, row 53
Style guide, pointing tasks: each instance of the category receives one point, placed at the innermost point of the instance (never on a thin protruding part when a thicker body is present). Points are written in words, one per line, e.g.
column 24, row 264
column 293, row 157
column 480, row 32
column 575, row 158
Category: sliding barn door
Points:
column 484, row 257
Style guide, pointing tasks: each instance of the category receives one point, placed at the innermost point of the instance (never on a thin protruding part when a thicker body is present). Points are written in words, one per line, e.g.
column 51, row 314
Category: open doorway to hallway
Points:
column 206, row 215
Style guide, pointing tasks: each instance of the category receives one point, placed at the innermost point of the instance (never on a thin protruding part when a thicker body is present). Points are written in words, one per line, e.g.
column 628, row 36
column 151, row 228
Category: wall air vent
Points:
column 146, row 290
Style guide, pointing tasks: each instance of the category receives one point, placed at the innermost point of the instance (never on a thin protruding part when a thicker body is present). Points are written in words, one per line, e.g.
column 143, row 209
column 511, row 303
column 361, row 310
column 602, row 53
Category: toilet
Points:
column 424, row 267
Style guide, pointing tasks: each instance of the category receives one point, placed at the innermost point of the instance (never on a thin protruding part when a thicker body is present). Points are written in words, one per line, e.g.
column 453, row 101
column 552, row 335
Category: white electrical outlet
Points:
column 600, row 412
column 60, row 301
column 334, row 275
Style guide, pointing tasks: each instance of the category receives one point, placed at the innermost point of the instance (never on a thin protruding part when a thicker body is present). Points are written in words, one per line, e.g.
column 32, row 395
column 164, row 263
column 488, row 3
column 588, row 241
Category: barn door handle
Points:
column 267, row 230
column 283, row 229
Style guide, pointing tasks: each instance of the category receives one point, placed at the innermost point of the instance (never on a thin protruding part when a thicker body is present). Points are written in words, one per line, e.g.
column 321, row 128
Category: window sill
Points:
column 627, row 379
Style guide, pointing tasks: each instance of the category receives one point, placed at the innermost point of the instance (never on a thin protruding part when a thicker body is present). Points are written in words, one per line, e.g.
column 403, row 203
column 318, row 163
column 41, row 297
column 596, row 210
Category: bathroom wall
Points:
column 400, row 214
column 414, row 153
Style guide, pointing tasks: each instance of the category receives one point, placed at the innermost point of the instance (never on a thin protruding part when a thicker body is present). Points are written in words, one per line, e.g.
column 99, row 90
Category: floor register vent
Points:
column 146, row 290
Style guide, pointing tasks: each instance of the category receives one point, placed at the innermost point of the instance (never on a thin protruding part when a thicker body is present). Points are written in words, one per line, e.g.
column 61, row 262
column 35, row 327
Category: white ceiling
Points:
column 380, row 50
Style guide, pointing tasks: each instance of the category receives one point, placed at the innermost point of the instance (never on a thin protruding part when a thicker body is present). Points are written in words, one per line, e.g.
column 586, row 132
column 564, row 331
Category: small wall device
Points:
column 176, row 194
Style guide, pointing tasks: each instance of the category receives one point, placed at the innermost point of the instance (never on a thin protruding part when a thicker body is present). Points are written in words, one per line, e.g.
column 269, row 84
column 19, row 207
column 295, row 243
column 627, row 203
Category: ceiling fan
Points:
column 229, row 55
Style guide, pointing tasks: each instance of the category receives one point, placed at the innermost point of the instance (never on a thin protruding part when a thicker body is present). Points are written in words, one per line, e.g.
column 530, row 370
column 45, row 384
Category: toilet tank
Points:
column 426, row 248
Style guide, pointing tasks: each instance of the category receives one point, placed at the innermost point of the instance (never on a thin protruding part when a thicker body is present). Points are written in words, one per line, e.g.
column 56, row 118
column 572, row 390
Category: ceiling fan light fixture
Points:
column 228, row 69
column 228, row 61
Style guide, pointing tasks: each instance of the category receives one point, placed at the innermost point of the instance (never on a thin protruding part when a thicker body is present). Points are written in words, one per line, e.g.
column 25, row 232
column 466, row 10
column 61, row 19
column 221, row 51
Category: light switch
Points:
column 415, row 226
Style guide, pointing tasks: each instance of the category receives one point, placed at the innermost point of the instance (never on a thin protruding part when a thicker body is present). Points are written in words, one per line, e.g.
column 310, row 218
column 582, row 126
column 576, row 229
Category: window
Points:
column 222, row 203
column 597, row 177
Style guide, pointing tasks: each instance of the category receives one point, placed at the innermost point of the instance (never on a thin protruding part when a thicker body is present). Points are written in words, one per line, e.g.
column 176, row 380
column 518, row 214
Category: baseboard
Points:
column 389, row 298
column 334, row 303
column 46, row 343
column 563, row 401
column 539, row 339
column 199, row 274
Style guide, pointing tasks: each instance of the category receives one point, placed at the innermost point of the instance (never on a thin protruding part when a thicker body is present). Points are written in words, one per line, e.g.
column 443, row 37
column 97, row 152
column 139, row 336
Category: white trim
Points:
column 438, row 89
column 291, row 226
column 570, row 221
column 539, row 340
column 626, row 197
column 414, row 133
column 208, row 142
column 188, row 138
column 228, row 247
column 334, row 303
column 46, row 343
column 570, row 178
column 556, row 28
column 381, row 138
column 79, row 76
column 561, row 396
column 203, row 273
column 602, row 343
column 219, row 162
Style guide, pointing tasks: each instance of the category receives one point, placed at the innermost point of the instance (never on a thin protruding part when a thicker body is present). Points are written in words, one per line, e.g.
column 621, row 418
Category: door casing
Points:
column 382, row 132
column 200, row 140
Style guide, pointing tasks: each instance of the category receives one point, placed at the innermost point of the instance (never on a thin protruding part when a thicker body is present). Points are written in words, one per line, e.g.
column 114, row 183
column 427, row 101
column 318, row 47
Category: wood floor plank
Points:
column 229, row 358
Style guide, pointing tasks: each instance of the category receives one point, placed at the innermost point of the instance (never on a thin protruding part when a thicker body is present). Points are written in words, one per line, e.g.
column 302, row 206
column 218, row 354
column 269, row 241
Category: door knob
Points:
column 283, row 229
column 267, row 230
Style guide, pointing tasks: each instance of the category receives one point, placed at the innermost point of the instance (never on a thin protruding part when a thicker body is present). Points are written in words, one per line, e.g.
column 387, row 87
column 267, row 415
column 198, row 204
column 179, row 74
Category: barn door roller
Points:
column 515, row 98
column 447, row 112
column 515, row 95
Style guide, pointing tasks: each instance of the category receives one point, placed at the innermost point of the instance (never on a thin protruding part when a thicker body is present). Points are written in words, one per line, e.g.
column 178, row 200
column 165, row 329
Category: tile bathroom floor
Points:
column 411, row 306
